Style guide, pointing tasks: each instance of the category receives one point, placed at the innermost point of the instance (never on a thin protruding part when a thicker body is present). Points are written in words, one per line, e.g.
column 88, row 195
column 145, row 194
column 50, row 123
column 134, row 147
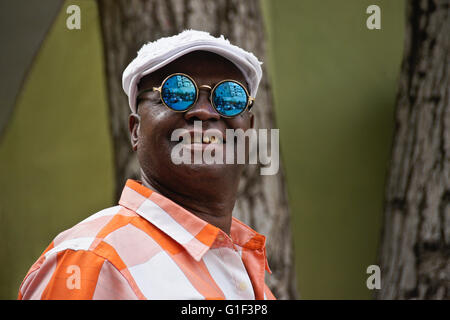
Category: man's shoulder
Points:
column 111, row 225
column 78, row 236
column 84, row 248
column 117, row 234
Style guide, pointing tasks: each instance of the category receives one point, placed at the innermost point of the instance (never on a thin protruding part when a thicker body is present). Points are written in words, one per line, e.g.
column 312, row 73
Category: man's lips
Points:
column 211, row 136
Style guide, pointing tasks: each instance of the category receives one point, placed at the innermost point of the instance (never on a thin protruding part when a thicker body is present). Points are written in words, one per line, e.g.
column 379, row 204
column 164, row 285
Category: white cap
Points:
column 155, row 55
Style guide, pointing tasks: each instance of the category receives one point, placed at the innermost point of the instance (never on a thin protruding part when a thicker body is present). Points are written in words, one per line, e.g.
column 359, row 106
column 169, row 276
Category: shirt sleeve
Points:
column 75, row 275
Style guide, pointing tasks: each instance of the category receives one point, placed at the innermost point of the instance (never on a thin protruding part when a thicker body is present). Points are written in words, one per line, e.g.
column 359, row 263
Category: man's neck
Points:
column 209, row 205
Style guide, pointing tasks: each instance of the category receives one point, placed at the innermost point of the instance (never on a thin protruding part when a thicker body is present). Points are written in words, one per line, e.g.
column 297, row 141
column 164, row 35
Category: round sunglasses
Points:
column 179, row 92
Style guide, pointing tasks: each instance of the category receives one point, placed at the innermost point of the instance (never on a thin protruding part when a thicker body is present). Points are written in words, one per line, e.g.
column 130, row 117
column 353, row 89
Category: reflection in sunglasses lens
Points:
column 178, row 92
column 230, row 98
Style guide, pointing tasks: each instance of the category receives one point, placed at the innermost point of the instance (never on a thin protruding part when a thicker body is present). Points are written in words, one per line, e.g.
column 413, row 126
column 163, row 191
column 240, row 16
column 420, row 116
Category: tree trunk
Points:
column 126, row 26
column 415, row 251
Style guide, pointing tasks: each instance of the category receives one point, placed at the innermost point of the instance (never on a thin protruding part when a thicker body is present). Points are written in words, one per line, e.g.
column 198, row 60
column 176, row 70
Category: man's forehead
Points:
column 201, row 65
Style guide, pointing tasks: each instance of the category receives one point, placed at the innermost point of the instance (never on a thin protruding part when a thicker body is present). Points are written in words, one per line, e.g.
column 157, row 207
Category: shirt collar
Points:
column 191, row 232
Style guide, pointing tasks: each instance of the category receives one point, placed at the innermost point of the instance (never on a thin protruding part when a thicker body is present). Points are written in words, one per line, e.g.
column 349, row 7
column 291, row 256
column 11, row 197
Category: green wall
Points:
column 334, row 83
column 56, row 158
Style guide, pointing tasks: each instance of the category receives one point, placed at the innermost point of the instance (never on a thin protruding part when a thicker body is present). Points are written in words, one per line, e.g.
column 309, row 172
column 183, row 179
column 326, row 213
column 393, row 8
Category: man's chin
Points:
column 204, row 168
column 199, row 171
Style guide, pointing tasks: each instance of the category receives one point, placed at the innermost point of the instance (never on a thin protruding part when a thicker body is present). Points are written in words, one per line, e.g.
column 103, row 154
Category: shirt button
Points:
column 242, row 286
column 220, row 237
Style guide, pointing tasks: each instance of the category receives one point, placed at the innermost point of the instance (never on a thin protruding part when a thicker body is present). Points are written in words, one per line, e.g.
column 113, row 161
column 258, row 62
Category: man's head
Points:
column 152, row 127
column 207, row 60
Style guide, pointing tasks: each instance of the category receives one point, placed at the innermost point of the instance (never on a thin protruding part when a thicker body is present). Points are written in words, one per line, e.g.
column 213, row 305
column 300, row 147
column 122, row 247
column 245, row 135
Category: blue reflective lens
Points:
column 178, row 92
column 230, row 98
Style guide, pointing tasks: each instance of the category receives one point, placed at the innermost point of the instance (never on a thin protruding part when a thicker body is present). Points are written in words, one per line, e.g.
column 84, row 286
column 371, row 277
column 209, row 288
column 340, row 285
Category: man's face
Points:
column 151, row 135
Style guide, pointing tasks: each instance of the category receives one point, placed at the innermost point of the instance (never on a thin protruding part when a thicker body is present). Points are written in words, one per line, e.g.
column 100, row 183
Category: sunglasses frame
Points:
column 249, row 104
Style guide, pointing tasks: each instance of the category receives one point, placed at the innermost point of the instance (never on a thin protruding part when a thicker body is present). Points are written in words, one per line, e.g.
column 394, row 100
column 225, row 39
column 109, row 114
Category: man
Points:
column 172, row 236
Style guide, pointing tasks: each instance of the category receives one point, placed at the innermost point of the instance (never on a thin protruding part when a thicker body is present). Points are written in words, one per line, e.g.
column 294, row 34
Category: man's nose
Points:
column 203, row 109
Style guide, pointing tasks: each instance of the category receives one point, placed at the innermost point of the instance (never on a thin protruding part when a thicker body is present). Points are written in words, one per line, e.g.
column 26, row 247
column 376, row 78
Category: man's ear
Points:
column 133, row 125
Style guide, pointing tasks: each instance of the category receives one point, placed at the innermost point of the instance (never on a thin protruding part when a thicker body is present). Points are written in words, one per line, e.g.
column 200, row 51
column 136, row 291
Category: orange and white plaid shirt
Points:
column 148, row 247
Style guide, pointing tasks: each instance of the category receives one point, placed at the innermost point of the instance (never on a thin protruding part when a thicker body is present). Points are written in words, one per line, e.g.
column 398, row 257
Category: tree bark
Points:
column 126, row 26
column 415, row 250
